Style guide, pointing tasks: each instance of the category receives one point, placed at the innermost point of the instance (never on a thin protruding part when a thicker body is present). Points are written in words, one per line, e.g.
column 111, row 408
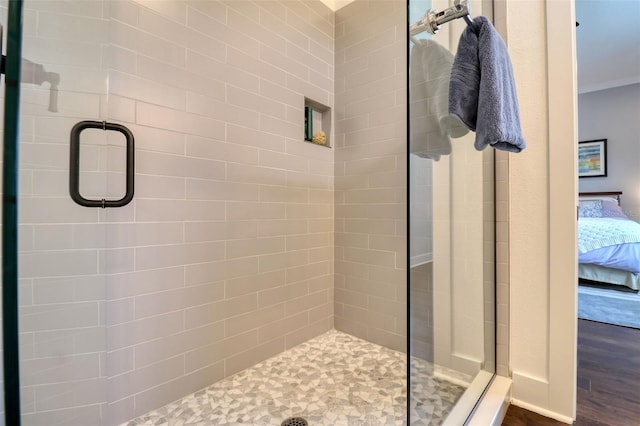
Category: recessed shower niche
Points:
column 317, row 122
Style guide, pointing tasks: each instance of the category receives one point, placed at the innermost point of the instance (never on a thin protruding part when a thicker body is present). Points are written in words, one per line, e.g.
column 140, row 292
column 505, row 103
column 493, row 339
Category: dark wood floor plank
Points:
column 608, row 379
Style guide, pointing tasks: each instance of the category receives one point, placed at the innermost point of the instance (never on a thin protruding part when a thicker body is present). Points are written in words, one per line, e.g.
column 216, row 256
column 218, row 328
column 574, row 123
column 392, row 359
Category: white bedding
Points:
column 609, row 242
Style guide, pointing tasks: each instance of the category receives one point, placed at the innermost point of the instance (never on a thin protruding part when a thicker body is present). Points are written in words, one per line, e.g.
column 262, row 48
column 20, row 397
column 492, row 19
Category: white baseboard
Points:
column 542, row 411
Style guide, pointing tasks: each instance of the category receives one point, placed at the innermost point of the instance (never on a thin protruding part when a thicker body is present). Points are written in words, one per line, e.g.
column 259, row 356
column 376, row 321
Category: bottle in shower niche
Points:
column 308, row 123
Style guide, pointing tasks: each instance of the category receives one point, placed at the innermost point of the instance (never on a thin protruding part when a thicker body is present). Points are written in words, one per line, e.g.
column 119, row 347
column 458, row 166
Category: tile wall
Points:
column 370, row 169
column 225, row 256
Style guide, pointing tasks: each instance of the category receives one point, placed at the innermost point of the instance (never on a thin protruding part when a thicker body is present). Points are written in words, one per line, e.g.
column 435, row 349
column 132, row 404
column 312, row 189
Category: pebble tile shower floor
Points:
column 334, row 379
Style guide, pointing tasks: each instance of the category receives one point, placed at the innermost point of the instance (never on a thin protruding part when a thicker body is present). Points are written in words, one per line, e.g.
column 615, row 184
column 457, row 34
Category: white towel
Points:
column 431, row 124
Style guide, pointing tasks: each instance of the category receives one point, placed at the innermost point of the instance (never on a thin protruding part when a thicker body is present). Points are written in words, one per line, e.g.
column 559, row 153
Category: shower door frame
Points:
column 11, row 361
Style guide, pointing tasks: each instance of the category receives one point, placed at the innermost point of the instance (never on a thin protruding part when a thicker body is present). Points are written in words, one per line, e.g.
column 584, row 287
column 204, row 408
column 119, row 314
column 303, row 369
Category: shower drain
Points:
column 295, row 421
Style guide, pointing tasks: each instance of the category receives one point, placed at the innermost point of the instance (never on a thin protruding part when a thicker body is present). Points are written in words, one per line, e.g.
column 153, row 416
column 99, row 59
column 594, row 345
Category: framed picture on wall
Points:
column 592, row 158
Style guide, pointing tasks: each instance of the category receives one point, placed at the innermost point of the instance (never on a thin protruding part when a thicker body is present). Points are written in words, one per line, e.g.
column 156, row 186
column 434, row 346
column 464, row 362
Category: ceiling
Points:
column 608, row 43
column 336, row 4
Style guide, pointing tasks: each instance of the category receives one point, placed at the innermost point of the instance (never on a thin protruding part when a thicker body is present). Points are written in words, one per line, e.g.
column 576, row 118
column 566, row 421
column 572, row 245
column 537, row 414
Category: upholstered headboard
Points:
column 601, row 195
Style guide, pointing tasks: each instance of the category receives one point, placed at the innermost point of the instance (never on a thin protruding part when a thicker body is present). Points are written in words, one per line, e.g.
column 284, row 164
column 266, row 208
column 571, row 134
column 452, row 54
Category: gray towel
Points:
column 482, row 92
column 431, row 125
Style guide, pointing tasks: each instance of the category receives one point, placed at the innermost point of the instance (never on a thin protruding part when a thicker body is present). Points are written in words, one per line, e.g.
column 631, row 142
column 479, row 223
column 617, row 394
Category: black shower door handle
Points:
column 74, row 164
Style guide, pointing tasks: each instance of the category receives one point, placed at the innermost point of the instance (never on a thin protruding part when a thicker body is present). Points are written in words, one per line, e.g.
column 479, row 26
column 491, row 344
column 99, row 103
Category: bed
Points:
column 608, row 241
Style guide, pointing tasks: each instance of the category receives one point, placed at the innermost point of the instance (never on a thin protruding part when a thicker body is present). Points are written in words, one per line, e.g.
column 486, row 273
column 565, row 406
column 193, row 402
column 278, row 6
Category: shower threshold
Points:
column 333, row 379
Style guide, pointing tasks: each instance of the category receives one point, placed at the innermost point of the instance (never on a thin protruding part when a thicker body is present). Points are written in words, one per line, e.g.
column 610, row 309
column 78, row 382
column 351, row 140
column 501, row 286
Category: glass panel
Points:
column 62, row 246
column 452, row 244
column 246, row 249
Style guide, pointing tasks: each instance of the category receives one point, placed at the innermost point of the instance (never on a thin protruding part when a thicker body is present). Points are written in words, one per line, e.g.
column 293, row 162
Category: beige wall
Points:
column 542, row 202
column 370, row 168
column 612, row 114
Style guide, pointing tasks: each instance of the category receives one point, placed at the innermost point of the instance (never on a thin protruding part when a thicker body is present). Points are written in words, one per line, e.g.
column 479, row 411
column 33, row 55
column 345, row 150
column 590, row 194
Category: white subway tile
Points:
column 253, row 356
column 67, row 27
column 152, row 257
column 245, row 322
column 151, row 186
column 59, row 316
column 277, row 261
column 179, row 121
column 217, row 150
column 116, row 260
column 142, row 330
column 154, row 163
column 83, row 9
column 214, row 9
column 120, row 311
column 58, row 263
column 220, row 270
column 186, row 341
column 226, row 33
column 201, row 189
column 254, row 247
column 304, row 272
column 69, row 289
column 256, row 138
column 303, row 56
column 159, row 140
column 238, row 59
column 248, row 210
column 52, row 237
column 147, row 44
column 268, row 228
column 300, row 242
column 140, row 89
column 59, row 369
column 254, row 283
column 183, row 210
column 270, row 124
column 205, row 45
column 71, row 52
column 278, row 160
column 208, row 354
column 125, row 11
column 119, row 361
column 244, row 99
column 220, row 230
column 272, row 193
column 174, row 31
column 241, row 24
column 138, row 380
column 204, row 105
column 303, row 86
column 248, row 9
column 176, row 11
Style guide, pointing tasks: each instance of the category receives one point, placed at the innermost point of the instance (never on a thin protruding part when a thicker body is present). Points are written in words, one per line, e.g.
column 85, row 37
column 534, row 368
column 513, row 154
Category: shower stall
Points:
column 221, row 218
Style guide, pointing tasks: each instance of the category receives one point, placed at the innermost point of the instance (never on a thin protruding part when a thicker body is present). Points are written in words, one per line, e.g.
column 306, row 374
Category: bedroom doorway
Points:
column 608, row 76
column 608, row 71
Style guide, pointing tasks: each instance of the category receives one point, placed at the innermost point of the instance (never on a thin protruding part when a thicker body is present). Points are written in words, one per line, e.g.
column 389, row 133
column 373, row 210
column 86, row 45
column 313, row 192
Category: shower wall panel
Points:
column 370, row 167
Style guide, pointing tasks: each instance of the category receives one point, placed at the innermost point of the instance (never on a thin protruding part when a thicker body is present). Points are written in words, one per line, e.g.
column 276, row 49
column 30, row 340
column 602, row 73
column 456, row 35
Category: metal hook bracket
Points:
column 432, row 20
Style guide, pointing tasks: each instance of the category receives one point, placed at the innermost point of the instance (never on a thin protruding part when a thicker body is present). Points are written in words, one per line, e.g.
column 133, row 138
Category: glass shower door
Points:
column 452, row 243
column 63, row 253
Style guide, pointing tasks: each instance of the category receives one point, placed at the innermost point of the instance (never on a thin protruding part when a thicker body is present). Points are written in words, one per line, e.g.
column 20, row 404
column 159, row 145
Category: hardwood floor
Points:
column 608, row 379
